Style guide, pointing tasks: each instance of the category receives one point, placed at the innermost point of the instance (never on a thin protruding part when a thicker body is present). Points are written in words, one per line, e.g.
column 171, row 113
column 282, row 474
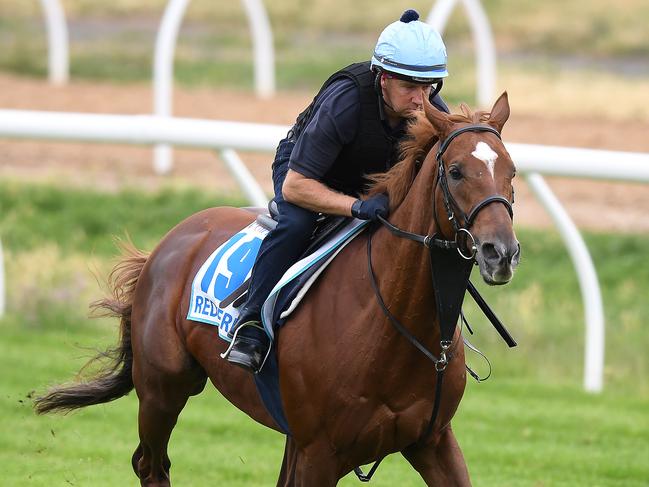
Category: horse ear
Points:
column 500, row 112
column 438, row 119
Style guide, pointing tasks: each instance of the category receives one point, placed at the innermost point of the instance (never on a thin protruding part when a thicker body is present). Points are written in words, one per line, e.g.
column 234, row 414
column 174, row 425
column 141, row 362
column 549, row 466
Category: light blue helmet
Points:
column 411, row 49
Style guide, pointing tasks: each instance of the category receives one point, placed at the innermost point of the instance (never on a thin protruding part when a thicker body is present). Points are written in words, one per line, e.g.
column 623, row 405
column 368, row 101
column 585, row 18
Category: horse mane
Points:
column 413, row 149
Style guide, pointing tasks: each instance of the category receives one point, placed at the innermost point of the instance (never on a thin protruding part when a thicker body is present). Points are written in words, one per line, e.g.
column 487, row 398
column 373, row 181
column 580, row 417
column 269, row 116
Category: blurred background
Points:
column 577, row 74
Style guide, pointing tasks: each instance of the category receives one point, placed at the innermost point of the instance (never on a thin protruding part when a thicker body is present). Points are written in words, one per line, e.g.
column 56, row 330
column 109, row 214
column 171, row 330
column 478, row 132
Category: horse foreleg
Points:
column 316, row 466
column 439, row 462
column 287, row 472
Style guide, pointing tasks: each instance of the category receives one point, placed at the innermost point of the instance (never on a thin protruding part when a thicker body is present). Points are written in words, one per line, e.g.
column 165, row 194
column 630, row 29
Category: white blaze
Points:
column 486, row 154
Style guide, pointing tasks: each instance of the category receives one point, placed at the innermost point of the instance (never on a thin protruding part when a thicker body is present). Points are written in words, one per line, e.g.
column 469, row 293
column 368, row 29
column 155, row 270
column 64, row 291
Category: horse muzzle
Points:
column 498, row 260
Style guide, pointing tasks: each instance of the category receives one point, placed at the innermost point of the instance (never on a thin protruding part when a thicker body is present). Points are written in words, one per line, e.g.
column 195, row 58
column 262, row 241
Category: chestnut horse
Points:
column 353, row 388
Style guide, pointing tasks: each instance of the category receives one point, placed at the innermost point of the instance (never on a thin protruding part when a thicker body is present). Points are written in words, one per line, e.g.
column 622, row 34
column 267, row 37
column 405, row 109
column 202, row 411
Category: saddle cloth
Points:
column 230, row 265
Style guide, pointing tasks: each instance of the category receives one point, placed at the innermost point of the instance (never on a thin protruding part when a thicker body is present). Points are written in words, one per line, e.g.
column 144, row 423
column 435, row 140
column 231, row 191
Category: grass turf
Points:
column 530, row 425
column 512, row 432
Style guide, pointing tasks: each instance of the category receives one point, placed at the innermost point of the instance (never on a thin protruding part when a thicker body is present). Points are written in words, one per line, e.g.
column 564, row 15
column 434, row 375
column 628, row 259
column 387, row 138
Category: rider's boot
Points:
column 250, row 342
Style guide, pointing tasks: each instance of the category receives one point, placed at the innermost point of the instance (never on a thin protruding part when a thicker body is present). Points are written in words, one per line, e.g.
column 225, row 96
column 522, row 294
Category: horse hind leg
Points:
column 156, row 421
column 165, row 376
column 161, row 401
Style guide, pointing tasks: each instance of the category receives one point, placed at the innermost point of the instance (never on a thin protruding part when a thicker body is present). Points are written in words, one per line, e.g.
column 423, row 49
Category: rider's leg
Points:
column 251, row 309
column 280, row 249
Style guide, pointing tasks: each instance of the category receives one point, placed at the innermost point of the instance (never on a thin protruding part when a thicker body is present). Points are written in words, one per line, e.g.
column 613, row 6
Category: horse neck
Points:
column 402, row 266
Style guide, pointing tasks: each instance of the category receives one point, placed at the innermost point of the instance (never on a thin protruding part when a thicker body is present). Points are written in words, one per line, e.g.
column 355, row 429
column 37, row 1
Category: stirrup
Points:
column 254, row 370
column 253, row 323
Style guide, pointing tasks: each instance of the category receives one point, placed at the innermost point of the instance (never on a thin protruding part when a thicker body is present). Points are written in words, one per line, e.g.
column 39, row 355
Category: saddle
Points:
column 326, row 225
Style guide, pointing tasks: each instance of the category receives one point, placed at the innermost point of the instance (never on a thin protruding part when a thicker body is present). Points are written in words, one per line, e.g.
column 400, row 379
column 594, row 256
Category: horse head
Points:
column 460, row 163
column 473, row 189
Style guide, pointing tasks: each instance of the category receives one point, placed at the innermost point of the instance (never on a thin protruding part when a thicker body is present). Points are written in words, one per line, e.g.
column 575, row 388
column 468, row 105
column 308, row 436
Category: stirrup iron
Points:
column 236, row 332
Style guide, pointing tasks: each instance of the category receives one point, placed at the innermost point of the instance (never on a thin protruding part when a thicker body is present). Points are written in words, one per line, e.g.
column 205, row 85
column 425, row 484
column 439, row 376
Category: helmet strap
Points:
column 379, row 92
column 436, row 90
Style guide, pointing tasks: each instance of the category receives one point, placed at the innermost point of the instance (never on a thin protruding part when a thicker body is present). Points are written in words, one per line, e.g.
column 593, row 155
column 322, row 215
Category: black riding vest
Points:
column 373, row 150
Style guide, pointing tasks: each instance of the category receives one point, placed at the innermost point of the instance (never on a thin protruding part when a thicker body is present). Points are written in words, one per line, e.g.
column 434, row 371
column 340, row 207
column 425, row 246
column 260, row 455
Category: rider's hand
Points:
column 370, row 208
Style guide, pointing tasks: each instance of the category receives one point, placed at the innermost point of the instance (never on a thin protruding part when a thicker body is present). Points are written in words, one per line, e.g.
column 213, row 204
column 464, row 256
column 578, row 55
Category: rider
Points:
column 351, row 128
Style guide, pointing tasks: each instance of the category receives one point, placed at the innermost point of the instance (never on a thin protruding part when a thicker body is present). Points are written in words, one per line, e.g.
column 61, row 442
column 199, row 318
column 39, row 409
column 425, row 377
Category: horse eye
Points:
column 455, row 173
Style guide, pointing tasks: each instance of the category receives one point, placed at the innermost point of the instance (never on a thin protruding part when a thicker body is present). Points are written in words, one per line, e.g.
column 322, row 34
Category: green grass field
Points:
column 529, row 425
column 513, row 432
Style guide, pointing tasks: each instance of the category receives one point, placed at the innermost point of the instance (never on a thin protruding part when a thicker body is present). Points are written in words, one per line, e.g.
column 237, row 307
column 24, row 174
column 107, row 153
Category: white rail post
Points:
column 246, row 181
column 482, row 41
column 264, row 56
column 264, row 53
column 57, row 42
column 2, row 282
column 590, row 291
column 165, row 46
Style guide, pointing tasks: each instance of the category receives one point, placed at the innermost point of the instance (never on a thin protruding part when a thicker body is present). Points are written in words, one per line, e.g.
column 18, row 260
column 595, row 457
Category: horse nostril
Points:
column 489, row 252
column 517, row 253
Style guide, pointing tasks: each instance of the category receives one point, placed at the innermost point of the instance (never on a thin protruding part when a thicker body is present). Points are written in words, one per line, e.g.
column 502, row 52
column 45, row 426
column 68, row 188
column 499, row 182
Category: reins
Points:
column 448, row 301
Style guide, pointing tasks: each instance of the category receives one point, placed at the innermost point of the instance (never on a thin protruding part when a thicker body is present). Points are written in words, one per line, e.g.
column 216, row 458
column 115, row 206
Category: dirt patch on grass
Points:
column 593, row 205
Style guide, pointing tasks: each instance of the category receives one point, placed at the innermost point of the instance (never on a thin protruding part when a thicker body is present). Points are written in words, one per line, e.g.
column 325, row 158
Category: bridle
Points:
column 451, row 205
column 436, row 244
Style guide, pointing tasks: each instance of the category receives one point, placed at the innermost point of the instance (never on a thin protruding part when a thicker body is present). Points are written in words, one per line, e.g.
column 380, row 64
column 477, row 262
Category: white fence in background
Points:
column 2, row 282
column 483, row 43
column 264, row 63
column 260, row 30
column 588, row 282
column 531, row 160
column 57, row 42
column 262, row 40
column 264, row 54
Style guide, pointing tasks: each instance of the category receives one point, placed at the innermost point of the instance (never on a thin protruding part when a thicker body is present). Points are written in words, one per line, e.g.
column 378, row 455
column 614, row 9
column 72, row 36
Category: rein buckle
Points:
column 442, row 362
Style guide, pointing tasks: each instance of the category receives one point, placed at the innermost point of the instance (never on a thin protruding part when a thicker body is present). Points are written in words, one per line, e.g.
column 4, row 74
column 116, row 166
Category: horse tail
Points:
column 114, row 378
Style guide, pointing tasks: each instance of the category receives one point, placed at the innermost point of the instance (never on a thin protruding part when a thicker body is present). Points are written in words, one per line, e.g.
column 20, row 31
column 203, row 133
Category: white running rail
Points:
column 590, row 291
column 165, row 47
column 482, row 40
column 246, row 181
column 264, row 62
column 2, row 282
column 531, row 160
column 57, row 41
column 264, row 52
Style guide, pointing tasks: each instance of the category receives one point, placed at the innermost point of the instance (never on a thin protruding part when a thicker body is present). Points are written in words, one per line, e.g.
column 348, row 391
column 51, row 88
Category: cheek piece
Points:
column 379, row 91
